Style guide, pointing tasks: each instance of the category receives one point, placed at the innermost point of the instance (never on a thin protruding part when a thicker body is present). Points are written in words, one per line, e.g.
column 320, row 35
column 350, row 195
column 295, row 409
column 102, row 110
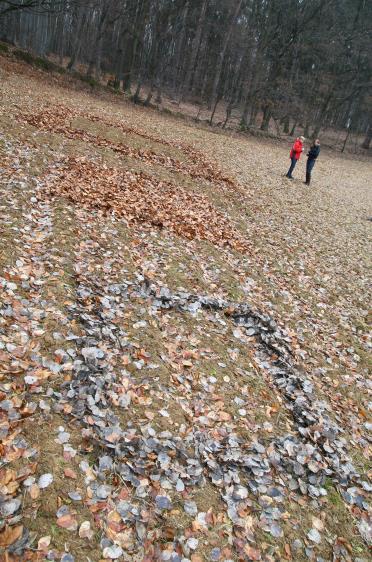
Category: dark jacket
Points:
column 313, row 152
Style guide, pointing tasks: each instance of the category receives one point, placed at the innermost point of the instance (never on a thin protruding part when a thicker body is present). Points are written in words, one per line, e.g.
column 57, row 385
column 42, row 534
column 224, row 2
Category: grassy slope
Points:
column 308, row 268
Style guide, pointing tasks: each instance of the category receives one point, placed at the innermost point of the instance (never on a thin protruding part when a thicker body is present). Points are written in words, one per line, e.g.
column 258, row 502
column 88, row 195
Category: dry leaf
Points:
column 69, row 473
column 67, row 522
column 43, row 543
column 85, row 531
column 34, row 491
column 10, row 535
column 318, row 523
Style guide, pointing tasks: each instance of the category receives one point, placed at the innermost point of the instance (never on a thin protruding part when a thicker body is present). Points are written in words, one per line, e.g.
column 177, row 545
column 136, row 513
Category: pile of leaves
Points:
column 198, row 166
column 57, row 119
column 140, row 198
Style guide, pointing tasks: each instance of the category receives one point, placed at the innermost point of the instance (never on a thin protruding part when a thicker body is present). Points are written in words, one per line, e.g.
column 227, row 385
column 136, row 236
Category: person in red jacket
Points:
column 296, row 150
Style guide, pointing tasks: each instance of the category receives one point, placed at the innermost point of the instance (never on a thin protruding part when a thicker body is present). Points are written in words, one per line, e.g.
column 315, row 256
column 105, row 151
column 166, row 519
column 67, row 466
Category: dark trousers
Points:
column 309, row 166
column 292, row 167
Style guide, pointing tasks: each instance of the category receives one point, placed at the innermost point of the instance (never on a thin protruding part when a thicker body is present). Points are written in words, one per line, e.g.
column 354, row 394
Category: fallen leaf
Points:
column 69, row 473
column 43, row 543
column 45, row 480
column 9, row 535
column 314, row 536
column 318, row 524
column 34, row 491
column 252, row 553
column 67, row 522
column 85, row 531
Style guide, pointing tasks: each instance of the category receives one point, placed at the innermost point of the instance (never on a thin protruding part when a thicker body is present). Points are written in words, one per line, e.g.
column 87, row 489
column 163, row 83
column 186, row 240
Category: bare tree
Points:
column 288, row 63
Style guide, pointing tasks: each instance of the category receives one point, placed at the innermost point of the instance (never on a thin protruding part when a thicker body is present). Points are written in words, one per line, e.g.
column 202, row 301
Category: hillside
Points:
column 183, row 337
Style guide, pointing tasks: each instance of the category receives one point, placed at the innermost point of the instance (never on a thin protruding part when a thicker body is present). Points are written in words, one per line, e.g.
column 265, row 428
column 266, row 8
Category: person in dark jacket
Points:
column 312, row 155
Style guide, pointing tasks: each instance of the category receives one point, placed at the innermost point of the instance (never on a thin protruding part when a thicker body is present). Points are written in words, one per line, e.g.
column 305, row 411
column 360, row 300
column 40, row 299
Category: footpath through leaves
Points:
column 154, row 403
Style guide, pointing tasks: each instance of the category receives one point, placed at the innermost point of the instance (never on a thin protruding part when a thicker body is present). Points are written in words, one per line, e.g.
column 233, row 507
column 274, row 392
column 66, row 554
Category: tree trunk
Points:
column 194, row 50
column 149, row 95
column 367, row 140
column 346, row 138
column 95, row 60
column 253, row 116
column 78, row 42
column 228, row 115
column 97, row 66
column 322, row 115
column 180, row 48
column 316, row 132
column 266, row 118
column 244, row 117
column 221, row 56
column 124, row 60
column 136, row 97
column 214, row 110
column 158, row 98
column 286, row 125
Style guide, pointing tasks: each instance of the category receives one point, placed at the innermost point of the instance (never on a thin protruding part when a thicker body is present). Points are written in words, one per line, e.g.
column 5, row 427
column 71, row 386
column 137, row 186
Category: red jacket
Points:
column 296, row 149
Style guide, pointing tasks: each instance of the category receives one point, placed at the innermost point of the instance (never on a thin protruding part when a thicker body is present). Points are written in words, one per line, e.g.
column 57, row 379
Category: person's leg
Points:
column 309, row 167
column 292, row 167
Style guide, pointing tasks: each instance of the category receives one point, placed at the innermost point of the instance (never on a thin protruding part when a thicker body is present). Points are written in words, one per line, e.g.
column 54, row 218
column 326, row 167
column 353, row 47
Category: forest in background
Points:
column 279, row 63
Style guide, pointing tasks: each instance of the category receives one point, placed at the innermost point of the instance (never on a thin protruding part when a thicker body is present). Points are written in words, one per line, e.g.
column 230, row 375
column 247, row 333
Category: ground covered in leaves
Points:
column 183, row 339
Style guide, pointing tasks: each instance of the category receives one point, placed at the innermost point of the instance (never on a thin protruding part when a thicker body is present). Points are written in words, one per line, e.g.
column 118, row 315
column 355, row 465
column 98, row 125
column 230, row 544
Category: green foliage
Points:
column 47, row 65
column 23, row 55
column 89, row 80
column 333, row 495
column 38, row 62
column 4, row 48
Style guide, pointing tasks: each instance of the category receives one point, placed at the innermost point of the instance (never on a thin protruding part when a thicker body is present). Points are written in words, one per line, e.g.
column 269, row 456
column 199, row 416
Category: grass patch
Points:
column 333, row 495
column 134, row 140
column 89, row 80
column 38, row 62
column 40, row 515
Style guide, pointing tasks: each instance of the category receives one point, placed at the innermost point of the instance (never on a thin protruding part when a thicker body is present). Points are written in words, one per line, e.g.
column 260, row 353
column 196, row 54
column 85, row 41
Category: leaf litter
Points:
column 138, row 198
column 140, row 473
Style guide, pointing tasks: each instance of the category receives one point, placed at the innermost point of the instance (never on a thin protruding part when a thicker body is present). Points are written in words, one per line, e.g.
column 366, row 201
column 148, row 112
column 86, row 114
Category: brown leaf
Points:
column 7, row 476
column 34, row 491
column 12, row 487
column 252, row 553
column 10, row 535
column 69, row 473
column 318, row 524
column 42, row 374
column 43, row 543
column 67, row 522
column 169, row 533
